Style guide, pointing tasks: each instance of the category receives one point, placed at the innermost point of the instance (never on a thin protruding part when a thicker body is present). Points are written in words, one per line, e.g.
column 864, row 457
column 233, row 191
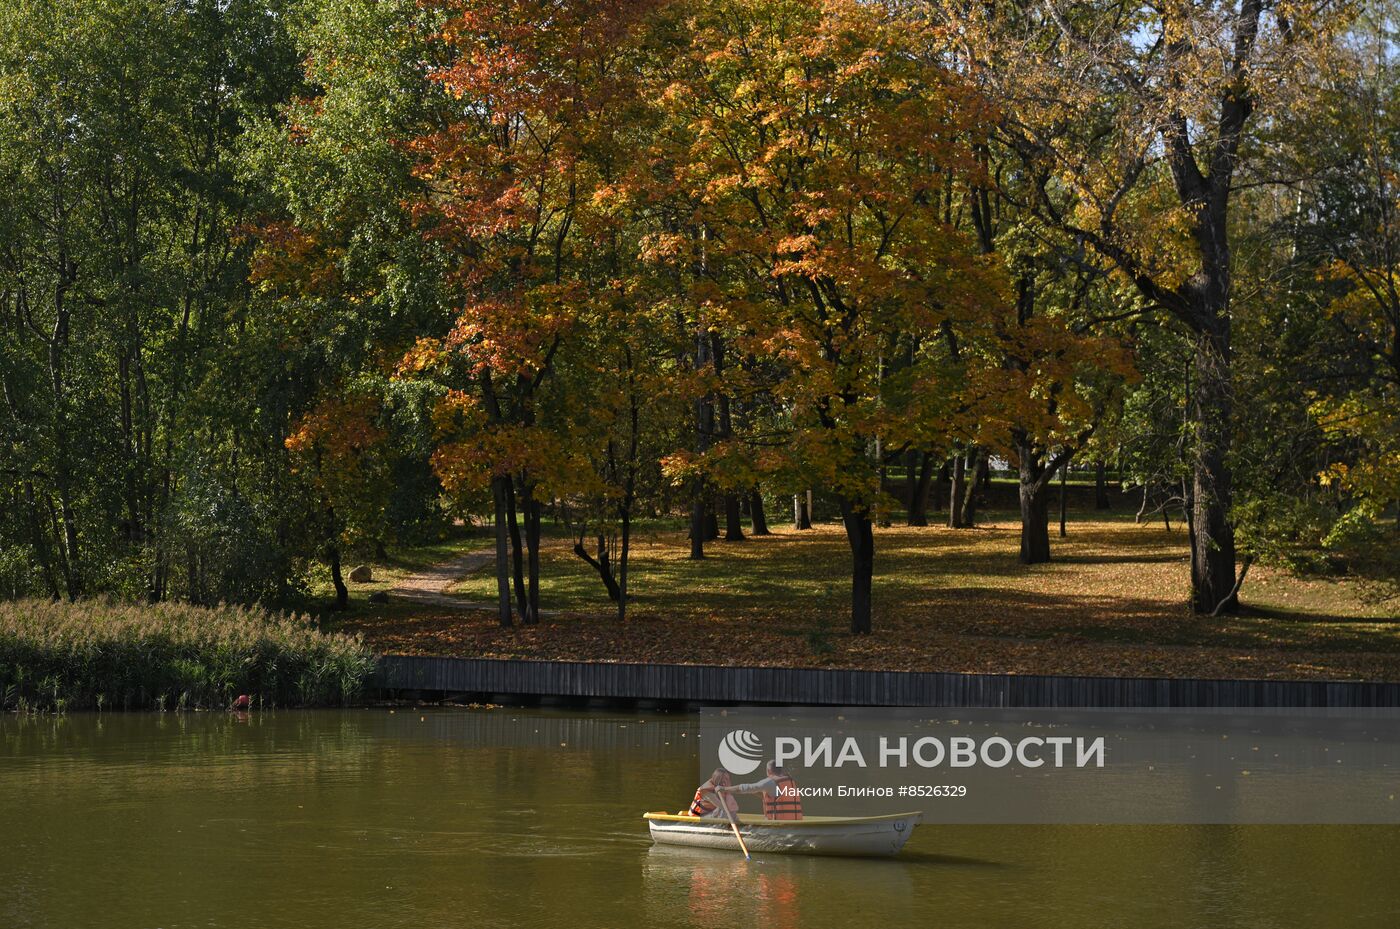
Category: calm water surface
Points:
column 503, row 817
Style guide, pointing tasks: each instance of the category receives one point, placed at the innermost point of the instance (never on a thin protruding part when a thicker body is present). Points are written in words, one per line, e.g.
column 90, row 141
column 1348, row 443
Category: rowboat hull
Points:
column 864, row 836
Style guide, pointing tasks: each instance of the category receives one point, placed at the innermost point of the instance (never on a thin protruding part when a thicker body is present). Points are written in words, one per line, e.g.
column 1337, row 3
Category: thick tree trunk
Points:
column 955, row 493
column 977, row 459
column 1202, row 302
column 1035, row 474
column 499, row 491
column 860, row 534
column 342, row 593
column 733, row 519
column 1101, row 501
column 801, row 513
column 1212, row 491
column 1035, row 522
column 756, row 513
column 918, row 495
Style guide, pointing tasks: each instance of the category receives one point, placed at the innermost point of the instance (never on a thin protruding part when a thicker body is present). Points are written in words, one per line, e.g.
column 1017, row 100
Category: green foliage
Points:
column 1369, row 548
column 96, row 654
column 135, row 434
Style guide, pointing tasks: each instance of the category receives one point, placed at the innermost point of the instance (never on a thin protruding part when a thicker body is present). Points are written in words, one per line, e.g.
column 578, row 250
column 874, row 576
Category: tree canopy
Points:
column 286, row 279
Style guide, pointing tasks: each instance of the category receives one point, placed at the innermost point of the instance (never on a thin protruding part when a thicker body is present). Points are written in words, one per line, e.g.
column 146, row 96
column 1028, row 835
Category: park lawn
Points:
column 1112, row 602
column 401, row 564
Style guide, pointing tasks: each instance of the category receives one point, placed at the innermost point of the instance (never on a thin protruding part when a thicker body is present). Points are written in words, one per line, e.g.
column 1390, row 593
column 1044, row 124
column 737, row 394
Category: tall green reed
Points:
column 107, row 654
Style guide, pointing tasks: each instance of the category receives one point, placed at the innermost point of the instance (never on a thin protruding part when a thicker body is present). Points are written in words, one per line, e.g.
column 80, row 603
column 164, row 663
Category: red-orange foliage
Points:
column 339, row 429
column 512, row 185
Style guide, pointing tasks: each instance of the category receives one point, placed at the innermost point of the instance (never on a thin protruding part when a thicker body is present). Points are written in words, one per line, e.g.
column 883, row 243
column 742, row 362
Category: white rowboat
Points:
column 858, row 836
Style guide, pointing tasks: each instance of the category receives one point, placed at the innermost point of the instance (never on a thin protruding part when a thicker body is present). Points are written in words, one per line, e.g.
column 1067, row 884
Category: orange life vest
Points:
column 702, row 805
column 783, row 804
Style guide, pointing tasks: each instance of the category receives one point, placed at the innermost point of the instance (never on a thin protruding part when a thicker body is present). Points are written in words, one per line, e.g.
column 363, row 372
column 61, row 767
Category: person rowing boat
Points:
column 711, row 801
column 779, row 792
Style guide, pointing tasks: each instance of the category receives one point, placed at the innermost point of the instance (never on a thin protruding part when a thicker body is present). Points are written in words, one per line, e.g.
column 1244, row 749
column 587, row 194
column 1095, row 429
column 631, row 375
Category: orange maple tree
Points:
column 811, row 143
column 515, row 183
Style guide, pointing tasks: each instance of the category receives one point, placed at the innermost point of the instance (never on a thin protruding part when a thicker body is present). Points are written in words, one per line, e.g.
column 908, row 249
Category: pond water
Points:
column 444, row 818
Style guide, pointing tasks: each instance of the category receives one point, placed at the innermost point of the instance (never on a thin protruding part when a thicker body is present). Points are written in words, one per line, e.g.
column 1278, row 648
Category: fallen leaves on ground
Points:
column 1112, row 603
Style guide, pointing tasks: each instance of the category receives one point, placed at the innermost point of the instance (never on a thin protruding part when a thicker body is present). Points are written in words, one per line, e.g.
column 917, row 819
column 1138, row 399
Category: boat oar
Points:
column 733, row 824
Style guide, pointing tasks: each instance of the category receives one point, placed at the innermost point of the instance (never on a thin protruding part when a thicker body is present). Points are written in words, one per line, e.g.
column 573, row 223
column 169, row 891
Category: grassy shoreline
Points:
column 102, row 654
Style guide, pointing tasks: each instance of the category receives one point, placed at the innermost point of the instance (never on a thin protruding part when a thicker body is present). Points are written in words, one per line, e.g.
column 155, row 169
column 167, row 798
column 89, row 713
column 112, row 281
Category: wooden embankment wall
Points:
column 482, row 678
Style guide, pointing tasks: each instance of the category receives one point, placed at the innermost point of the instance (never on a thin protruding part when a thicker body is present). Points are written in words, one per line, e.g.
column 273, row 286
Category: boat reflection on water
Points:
column 722, row 890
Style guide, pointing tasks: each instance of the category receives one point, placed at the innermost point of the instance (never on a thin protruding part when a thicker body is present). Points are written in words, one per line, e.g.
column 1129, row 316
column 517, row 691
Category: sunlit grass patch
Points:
column 401, row 564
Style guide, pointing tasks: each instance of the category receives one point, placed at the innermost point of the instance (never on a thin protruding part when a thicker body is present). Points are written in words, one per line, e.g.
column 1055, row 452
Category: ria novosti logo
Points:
column 740, row 752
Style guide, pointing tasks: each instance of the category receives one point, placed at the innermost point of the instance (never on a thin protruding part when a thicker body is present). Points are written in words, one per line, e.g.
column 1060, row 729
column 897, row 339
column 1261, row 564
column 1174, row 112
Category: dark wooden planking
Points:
column 822, row 687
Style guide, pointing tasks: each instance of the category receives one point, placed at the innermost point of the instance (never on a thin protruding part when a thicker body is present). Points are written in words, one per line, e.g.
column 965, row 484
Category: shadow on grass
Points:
column 1113, row 600
column 1168, row 558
